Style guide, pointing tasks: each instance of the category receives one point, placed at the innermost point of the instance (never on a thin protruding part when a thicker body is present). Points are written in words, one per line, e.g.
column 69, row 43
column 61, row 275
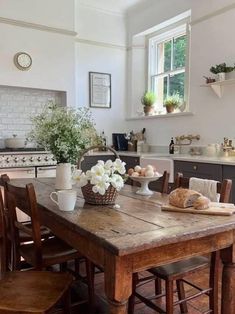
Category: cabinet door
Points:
column 131, row 162
column 199, row 170
column 90, row 161
column 229, row 173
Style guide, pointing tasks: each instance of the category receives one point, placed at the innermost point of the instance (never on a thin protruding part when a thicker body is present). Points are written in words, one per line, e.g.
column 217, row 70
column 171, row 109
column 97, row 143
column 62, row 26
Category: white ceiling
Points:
column 116, row 6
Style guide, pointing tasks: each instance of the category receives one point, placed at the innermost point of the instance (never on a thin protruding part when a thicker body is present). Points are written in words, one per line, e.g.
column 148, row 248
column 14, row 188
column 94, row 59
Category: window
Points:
column 167, row 61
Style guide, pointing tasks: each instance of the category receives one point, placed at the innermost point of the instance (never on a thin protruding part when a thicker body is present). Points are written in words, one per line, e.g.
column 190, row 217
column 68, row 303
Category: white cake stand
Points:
column 144, row 181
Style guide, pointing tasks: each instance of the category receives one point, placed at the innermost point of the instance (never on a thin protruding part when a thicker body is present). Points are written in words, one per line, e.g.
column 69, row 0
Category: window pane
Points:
column 177, row 84
column 179, row 48
column 160, row 88
column 167, row 55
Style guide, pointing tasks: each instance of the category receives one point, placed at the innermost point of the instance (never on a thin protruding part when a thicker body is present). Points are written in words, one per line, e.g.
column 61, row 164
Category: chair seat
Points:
column 54, row 251
column 179, row 269
column 32, row 291
column 24, row 237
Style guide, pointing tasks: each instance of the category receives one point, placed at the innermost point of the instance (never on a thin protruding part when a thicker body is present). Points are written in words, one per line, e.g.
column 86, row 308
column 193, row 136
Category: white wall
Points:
column 53, row 53
column 211, row 42
column 101, row 48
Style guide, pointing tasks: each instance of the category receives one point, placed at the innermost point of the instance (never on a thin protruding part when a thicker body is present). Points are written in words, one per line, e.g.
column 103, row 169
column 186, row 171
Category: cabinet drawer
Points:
column 90, row 161
column 199, row 170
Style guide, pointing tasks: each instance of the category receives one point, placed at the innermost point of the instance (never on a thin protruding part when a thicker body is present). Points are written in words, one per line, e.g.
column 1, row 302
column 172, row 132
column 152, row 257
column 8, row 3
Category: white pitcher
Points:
column 63, row 176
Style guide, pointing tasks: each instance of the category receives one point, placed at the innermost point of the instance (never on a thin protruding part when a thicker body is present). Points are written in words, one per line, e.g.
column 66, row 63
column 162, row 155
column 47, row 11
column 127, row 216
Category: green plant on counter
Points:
column 221, row 68
column 148, row 99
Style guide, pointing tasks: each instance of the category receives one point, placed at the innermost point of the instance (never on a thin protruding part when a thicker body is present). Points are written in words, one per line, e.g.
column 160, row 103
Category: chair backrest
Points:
column 3, row 238
column 224, row 187
column 24, row 198
column 165, row 182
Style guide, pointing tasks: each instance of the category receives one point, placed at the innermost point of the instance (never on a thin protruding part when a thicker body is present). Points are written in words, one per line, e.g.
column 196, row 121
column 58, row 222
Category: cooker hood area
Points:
column 18, row 105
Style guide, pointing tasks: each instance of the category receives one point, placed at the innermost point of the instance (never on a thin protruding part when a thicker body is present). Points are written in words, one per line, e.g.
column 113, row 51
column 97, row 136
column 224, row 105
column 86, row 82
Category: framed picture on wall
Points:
column 100, row 90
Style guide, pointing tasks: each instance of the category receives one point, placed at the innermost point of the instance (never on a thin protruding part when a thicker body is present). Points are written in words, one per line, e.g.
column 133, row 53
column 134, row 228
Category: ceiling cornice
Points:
column 105, row 11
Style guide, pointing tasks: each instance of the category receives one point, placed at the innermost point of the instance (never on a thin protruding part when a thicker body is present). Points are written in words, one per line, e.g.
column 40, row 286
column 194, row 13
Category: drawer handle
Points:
column 194, row 167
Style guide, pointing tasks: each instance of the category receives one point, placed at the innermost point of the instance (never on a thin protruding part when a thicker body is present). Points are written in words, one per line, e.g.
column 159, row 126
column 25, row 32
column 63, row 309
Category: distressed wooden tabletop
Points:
column 138, row 224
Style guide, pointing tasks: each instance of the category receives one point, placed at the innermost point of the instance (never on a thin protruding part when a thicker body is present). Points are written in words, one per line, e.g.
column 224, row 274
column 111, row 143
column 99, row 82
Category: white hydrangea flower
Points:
column 100, row 187
column 119, row 166
column 79, row 178
column 117, row 181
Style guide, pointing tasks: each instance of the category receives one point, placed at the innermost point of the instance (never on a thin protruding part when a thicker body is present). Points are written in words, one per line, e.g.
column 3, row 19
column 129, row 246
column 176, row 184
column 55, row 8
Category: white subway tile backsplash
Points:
column 18, row 105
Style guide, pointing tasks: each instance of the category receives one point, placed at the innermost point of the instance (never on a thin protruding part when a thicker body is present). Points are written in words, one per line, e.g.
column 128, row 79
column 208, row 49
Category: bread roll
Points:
column 201, row 203
column 183, row 197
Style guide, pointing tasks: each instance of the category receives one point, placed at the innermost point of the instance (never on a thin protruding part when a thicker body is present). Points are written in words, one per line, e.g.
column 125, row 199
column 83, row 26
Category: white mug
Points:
column 66, row 199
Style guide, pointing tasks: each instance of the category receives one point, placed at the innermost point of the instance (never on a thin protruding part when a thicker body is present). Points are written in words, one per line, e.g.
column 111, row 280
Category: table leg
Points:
column 118, row 283
column 228, row 281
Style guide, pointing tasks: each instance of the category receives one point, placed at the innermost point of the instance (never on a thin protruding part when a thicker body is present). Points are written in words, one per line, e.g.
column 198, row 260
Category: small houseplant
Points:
column 220, row 70
column 172, row 102
column 65, row 132
column 148, row 101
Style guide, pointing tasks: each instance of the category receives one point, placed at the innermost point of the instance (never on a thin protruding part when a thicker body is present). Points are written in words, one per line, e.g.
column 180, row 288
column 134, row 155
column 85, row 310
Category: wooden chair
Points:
column 41, row 254
column 23, row 236
column 32, row 291
column 176, row 272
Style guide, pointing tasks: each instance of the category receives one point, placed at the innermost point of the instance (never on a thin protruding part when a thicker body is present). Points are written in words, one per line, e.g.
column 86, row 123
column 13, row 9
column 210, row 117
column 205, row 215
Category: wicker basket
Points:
column 95, row 198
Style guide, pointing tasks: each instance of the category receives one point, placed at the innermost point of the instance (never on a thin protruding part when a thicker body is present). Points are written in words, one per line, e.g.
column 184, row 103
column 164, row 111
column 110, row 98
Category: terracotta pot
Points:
column 170, row 109
column 148, row 110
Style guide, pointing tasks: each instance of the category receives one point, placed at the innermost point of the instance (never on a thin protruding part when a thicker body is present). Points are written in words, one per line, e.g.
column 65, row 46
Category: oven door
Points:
column 46, row 172
column 15, row 173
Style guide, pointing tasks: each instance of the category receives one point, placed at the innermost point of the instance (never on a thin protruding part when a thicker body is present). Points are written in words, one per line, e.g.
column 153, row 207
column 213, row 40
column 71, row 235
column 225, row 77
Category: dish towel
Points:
column 206, row 187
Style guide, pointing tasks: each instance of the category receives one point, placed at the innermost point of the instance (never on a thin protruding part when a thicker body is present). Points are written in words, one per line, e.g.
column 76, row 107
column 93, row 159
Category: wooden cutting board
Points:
column 218, row 211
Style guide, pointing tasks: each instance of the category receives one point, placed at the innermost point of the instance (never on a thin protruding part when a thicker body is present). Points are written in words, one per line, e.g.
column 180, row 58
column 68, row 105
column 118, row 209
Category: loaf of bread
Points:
column 183, row 197
column 201, row 203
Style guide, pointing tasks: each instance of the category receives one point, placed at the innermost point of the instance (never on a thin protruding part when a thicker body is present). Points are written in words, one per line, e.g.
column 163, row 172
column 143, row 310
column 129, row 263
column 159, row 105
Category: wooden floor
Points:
column 196, row 306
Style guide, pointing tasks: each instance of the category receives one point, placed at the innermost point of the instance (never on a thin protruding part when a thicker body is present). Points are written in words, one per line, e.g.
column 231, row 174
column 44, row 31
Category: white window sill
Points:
column 160, row 116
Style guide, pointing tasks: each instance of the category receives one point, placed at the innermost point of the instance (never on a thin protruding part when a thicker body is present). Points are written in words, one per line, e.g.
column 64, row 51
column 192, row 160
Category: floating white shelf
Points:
column 218, row 87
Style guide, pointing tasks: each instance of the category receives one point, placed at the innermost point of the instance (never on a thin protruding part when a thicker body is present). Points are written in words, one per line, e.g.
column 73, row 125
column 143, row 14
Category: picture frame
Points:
column 100, row 90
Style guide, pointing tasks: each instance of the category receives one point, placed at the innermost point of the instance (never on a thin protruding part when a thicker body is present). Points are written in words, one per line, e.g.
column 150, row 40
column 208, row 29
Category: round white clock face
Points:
column 23, row 61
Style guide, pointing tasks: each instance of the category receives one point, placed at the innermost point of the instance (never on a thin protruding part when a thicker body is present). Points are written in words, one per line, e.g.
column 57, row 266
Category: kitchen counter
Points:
column 180, row 157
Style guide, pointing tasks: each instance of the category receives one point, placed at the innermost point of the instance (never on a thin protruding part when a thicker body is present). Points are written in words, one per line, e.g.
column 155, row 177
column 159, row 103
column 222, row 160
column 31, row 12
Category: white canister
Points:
column 212, row 150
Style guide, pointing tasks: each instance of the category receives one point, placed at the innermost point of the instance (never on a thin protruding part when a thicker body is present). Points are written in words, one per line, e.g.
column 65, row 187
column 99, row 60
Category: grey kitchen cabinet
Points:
column 199, row 170
column 90, row 161
column 131, row 162
column 229, row 173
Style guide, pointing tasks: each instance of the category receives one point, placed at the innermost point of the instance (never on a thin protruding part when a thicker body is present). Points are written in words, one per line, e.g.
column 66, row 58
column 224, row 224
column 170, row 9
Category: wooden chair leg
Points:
column 90, row 273
column 63, row 266
column 169, row 297
column 131, row 303
column 158, row 286
column 181, row 296
column 214, row 282
column 67, row 302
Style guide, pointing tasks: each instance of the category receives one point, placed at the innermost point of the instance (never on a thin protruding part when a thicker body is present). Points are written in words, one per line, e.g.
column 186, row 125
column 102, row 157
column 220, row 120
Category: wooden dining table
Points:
column 137, row 235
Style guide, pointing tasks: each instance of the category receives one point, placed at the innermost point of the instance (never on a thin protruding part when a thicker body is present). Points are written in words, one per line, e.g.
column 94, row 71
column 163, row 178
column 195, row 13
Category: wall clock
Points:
column 23, row 61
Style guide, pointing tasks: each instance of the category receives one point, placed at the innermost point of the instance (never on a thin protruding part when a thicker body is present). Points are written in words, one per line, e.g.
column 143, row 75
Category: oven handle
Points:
column 16, row 169
column 46, row 168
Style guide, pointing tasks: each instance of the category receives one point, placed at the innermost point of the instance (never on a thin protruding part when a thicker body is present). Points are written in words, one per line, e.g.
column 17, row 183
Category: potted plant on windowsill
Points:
column 65, row 132
column 220, row 70
column 148, row 101
column 172, row 102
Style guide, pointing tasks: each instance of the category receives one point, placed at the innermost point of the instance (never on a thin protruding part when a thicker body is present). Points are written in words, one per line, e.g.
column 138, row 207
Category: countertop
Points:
column 222, row 160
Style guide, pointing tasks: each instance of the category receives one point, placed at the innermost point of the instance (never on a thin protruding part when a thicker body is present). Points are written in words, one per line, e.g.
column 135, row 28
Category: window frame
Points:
column 152, row 40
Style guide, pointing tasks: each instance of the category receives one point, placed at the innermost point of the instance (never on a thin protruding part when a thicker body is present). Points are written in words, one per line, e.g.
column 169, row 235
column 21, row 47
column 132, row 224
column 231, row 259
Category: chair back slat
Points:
column 223, row 188
column 3, row 240
column 25, row 200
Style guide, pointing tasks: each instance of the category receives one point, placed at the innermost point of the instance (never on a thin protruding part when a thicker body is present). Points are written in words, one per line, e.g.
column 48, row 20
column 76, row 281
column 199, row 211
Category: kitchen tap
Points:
column 189, row 138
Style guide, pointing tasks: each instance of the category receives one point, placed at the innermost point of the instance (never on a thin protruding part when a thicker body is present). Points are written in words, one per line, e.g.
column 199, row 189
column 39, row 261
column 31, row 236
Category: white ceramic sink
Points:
column 161, row 164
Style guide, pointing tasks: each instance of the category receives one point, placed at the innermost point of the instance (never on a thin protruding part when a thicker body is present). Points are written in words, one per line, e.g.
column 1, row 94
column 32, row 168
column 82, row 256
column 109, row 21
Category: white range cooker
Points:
column 27, row 163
